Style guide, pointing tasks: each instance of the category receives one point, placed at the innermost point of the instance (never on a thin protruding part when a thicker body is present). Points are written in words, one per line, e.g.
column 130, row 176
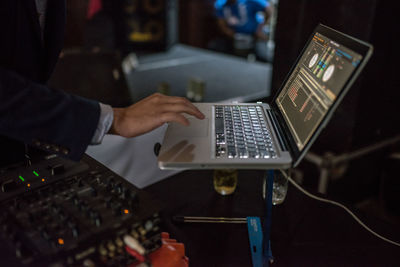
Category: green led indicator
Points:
column 35, row 173
column 22, row 178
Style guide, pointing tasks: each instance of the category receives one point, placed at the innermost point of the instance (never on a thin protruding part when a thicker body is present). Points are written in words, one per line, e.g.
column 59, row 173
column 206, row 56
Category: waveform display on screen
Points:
column 313, row 86
column 293, row 92
column 309, row 114
column 304, row 105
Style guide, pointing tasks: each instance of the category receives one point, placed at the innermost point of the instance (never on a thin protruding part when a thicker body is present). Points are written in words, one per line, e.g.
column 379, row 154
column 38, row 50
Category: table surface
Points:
column 226, row 77
column 305, row 232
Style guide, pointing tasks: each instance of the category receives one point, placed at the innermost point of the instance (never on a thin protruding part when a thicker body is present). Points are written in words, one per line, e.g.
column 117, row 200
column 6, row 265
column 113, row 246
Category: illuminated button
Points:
column 60, row 241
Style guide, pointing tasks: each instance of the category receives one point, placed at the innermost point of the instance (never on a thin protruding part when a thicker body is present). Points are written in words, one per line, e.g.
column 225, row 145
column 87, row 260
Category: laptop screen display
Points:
column 316, row 81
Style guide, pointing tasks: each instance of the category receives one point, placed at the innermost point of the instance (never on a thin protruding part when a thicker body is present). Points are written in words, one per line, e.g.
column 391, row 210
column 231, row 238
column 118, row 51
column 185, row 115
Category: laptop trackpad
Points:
column 197, row 128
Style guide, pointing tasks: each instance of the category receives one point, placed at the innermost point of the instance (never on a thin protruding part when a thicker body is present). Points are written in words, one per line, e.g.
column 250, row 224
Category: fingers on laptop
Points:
column 174, row 104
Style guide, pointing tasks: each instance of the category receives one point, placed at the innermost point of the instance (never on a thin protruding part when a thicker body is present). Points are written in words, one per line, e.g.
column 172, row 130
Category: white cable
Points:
column 339, row 205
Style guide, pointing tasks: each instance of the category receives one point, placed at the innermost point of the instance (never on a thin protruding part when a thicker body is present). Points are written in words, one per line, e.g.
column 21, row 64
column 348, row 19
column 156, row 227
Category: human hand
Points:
column 150, row 113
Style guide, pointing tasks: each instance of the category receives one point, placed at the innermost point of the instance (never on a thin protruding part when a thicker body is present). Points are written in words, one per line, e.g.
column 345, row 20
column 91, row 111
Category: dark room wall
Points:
column 363, row 116
column 197, row 23
column 370, row 112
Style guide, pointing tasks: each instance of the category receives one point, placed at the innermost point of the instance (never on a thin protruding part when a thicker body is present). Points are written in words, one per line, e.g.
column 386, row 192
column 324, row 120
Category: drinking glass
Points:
column 279, row 187
column 225, row 181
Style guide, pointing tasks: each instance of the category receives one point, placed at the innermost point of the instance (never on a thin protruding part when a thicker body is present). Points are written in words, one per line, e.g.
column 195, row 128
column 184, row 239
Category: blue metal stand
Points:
column 267, row 252
column 256, row 238
column 260, row 244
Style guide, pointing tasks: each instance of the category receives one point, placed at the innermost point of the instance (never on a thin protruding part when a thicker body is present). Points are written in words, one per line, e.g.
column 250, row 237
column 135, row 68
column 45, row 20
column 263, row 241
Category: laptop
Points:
column 275, row 135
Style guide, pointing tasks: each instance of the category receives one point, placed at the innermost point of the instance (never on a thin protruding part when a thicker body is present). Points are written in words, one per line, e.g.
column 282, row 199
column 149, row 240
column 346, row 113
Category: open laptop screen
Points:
column 315, row 82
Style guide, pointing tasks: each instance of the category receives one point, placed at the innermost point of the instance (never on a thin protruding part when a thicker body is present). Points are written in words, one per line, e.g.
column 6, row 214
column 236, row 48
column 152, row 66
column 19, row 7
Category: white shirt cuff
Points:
column 104, row 125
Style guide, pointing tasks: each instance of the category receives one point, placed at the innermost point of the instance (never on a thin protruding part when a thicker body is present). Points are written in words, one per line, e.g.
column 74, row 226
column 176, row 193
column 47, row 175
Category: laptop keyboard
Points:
column 241, row 132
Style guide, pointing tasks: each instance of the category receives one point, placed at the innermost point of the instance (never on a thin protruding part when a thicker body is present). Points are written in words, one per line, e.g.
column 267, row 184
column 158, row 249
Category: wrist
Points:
column 118, row 114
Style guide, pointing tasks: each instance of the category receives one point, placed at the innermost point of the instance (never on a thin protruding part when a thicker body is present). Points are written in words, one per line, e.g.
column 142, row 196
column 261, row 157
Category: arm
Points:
column 268, row 13
column 221, row 20
column 225, row 29
column 66, row 124
column 46, row 118
column 267, row 17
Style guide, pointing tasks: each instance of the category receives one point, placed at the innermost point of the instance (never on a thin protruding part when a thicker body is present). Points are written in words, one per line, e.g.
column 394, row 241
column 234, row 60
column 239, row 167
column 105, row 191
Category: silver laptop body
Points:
column 275, row 135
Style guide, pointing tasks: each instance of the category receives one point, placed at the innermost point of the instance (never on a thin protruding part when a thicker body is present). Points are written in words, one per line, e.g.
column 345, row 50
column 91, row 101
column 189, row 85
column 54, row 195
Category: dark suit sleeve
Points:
column 46, row 118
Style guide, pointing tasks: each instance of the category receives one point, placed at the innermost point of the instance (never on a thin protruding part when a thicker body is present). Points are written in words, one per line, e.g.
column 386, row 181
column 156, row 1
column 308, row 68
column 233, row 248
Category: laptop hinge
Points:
column 277, row 129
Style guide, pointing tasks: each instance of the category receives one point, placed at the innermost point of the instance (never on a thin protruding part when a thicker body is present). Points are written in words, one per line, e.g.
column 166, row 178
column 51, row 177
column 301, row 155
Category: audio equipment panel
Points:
column 56, row 212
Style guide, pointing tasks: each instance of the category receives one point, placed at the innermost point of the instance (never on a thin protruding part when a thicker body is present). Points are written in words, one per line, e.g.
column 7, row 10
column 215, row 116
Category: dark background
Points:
column 368, row 114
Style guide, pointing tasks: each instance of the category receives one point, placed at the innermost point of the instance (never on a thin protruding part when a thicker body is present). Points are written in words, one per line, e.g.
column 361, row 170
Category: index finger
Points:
column 193, row 110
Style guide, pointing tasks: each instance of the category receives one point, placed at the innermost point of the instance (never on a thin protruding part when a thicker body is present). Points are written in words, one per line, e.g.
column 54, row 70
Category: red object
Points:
column 135, row 254
column 93, row 7
column 170, row 254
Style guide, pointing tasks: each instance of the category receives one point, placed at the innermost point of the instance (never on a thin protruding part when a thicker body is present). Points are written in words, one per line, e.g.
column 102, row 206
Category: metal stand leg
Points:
column 323, row 181
column 267, row 253
column 328, row 161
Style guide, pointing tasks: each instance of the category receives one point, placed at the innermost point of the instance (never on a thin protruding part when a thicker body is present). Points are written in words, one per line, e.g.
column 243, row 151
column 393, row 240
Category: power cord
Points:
column 339, row 205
